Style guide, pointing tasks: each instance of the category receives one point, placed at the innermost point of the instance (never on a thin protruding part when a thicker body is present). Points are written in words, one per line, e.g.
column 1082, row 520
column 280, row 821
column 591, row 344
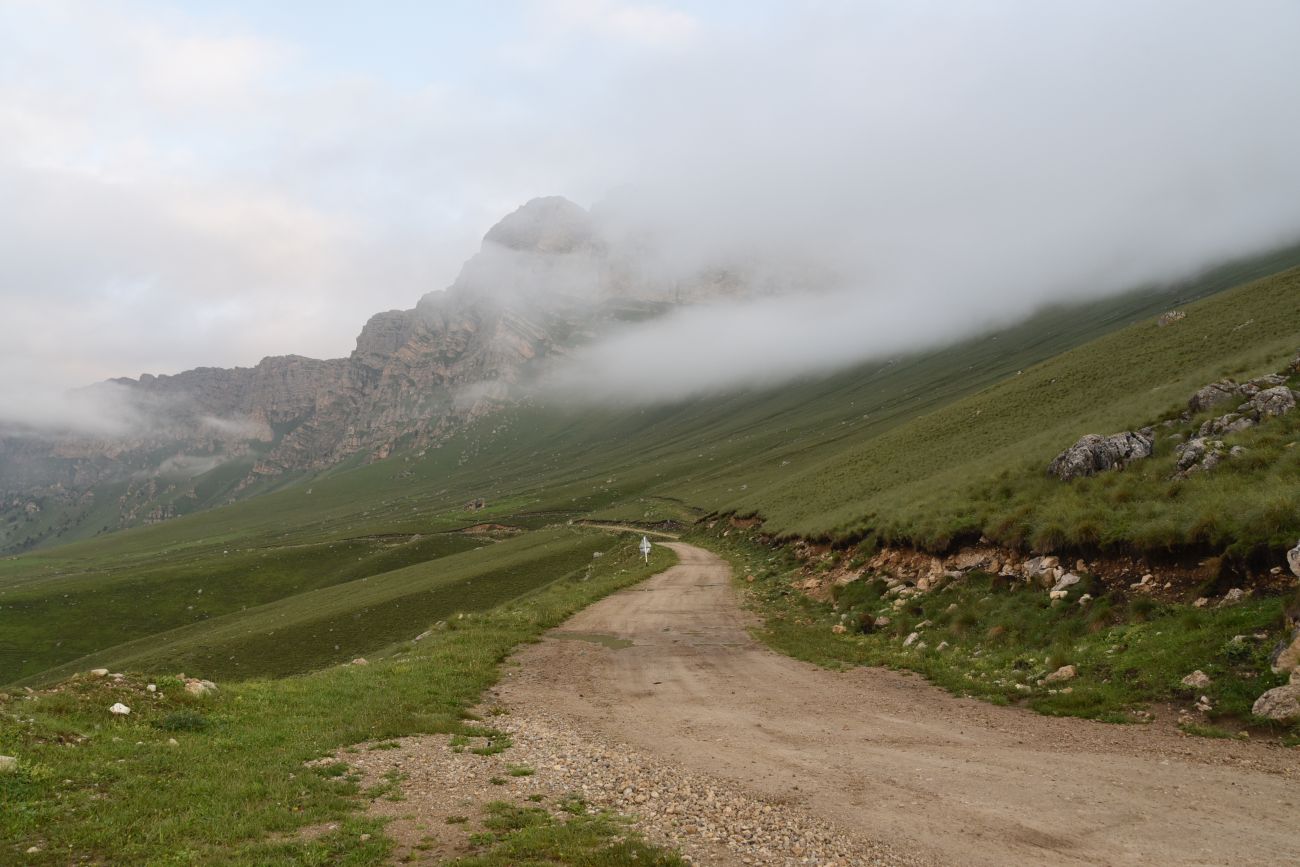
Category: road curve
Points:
column 887, row 756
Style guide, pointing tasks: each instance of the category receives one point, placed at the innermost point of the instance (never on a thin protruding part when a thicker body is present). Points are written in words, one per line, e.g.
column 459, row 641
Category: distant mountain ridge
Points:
column 543, row 281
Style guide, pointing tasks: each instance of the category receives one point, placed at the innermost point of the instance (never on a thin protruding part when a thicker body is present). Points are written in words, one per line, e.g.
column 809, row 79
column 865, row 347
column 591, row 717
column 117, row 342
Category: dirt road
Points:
column 884, row 756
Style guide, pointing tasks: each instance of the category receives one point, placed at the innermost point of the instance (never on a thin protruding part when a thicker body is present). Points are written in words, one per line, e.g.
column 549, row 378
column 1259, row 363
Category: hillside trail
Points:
column 883, row 756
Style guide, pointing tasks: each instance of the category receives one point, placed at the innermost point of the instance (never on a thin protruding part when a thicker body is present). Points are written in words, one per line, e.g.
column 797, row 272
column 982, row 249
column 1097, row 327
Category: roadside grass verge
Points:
column 1004, row 638
column 519, row 835
column 234, row 788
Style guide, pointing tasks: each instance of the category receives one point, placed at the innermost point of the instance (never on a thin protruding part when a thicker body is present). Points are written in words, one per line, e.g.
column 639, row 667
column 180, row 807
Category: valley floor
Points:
column 903, row 771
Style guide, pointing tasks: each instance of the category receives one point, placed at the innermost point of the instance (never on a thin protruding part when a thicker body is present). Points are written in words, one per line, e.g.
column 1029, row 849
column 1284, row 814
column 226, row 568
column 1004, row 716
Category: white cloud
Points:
column 641, row 23
column 190, row 190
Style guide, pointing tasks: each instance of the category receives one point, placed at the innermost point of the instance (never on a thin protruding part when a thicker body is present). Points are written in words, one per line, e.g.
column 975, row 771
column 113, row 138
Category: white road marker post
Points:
column 645, row 549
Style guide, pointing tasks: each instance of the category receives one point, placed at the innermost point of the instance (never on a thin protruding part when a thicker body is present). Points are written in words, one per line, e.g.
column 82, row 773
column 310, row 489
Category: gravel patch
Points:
column 708, row 821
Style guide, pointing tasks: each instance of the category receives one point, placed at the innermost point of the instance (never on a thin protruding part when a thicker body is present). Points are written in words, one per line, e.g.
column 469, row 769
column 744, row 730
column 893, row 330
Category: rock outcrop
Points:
column 1213, row 395
column 1265, row 397
column 1093, row 454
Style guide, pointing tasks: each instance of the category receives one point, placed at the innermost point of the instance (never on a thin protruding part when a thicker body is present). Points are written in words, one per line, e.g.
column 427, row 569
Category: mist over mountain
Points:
column 935, row 168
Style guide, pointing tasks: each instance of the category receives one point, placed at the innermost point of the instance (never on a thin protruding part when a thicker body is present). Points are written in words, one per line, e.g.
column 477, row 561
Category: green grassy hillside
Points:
column 978, row 465
column 333, row 624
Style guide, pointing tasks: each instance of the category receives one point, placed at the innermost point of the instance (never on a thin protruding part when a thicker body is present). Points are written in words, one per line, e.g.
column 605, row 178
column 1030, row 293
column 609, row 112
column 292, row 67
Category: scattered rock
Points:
column 1293, row 560
column 1281, row 703
column 360, row 660
column 839, row 629
column 172, row 742
column 1170, row 317
column 1085, row 599
column 120, row 709
column 1197, row 680
column 1094, row 453
column 943, row 645
column 152, row 687
column 1225, row 424
column 1065, row 672
column 1232, row 597
column 1069, row 579
column 199, row 687
column 911, row 639
column 881, row 622
column 8, row 765
column 1203, row 704
column 1057, row 595
column 1199, row 454
column 98, row 672
column 1201, row 602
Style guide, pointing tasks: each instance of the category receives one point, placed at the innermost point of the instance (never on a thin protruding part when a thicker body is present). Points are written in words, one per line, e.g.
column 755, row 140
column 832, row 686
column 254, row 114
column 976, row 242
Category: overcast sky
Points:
column 205, row 183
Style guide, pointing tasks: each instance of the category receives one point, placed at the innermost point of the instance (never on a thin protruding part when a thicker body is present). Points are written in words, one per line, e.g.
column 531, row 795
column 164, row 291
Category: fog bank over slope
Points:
column 942, row 172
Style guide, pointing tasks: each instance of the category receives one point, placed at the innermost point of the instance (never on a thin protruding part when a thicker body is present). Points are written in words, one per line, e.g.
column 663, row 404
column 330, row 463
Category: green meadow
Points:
column 233, row 788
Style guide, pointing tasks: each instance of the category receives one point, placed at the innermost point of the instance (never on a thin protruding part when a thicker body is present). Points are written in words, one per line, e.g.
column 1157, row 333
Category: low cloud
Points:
column 105, row 410
column 924, row 173
column 204, row 189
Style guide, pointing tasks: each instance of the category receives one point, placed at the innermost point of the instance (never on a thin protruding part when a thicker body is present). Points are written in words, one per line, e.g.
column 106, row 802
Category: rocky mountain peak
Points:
column 549, row 224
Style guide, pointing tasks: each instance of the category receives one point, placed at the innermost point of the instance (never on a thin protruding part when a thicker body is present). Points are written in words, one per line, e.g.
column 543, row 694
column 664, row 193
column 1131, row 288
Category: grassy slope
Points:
column 112, row 790
column 939, row 476
column 336, row 623
column 92, row 610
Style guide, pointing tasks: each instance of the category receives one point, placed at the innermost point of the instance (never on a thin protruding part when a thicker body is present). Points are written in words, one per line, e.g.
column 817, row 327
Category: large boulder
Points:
column 1293, row 560
column 1093, row 454
column 1281, row 703
column 1213, row 394
column 1278, row 400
